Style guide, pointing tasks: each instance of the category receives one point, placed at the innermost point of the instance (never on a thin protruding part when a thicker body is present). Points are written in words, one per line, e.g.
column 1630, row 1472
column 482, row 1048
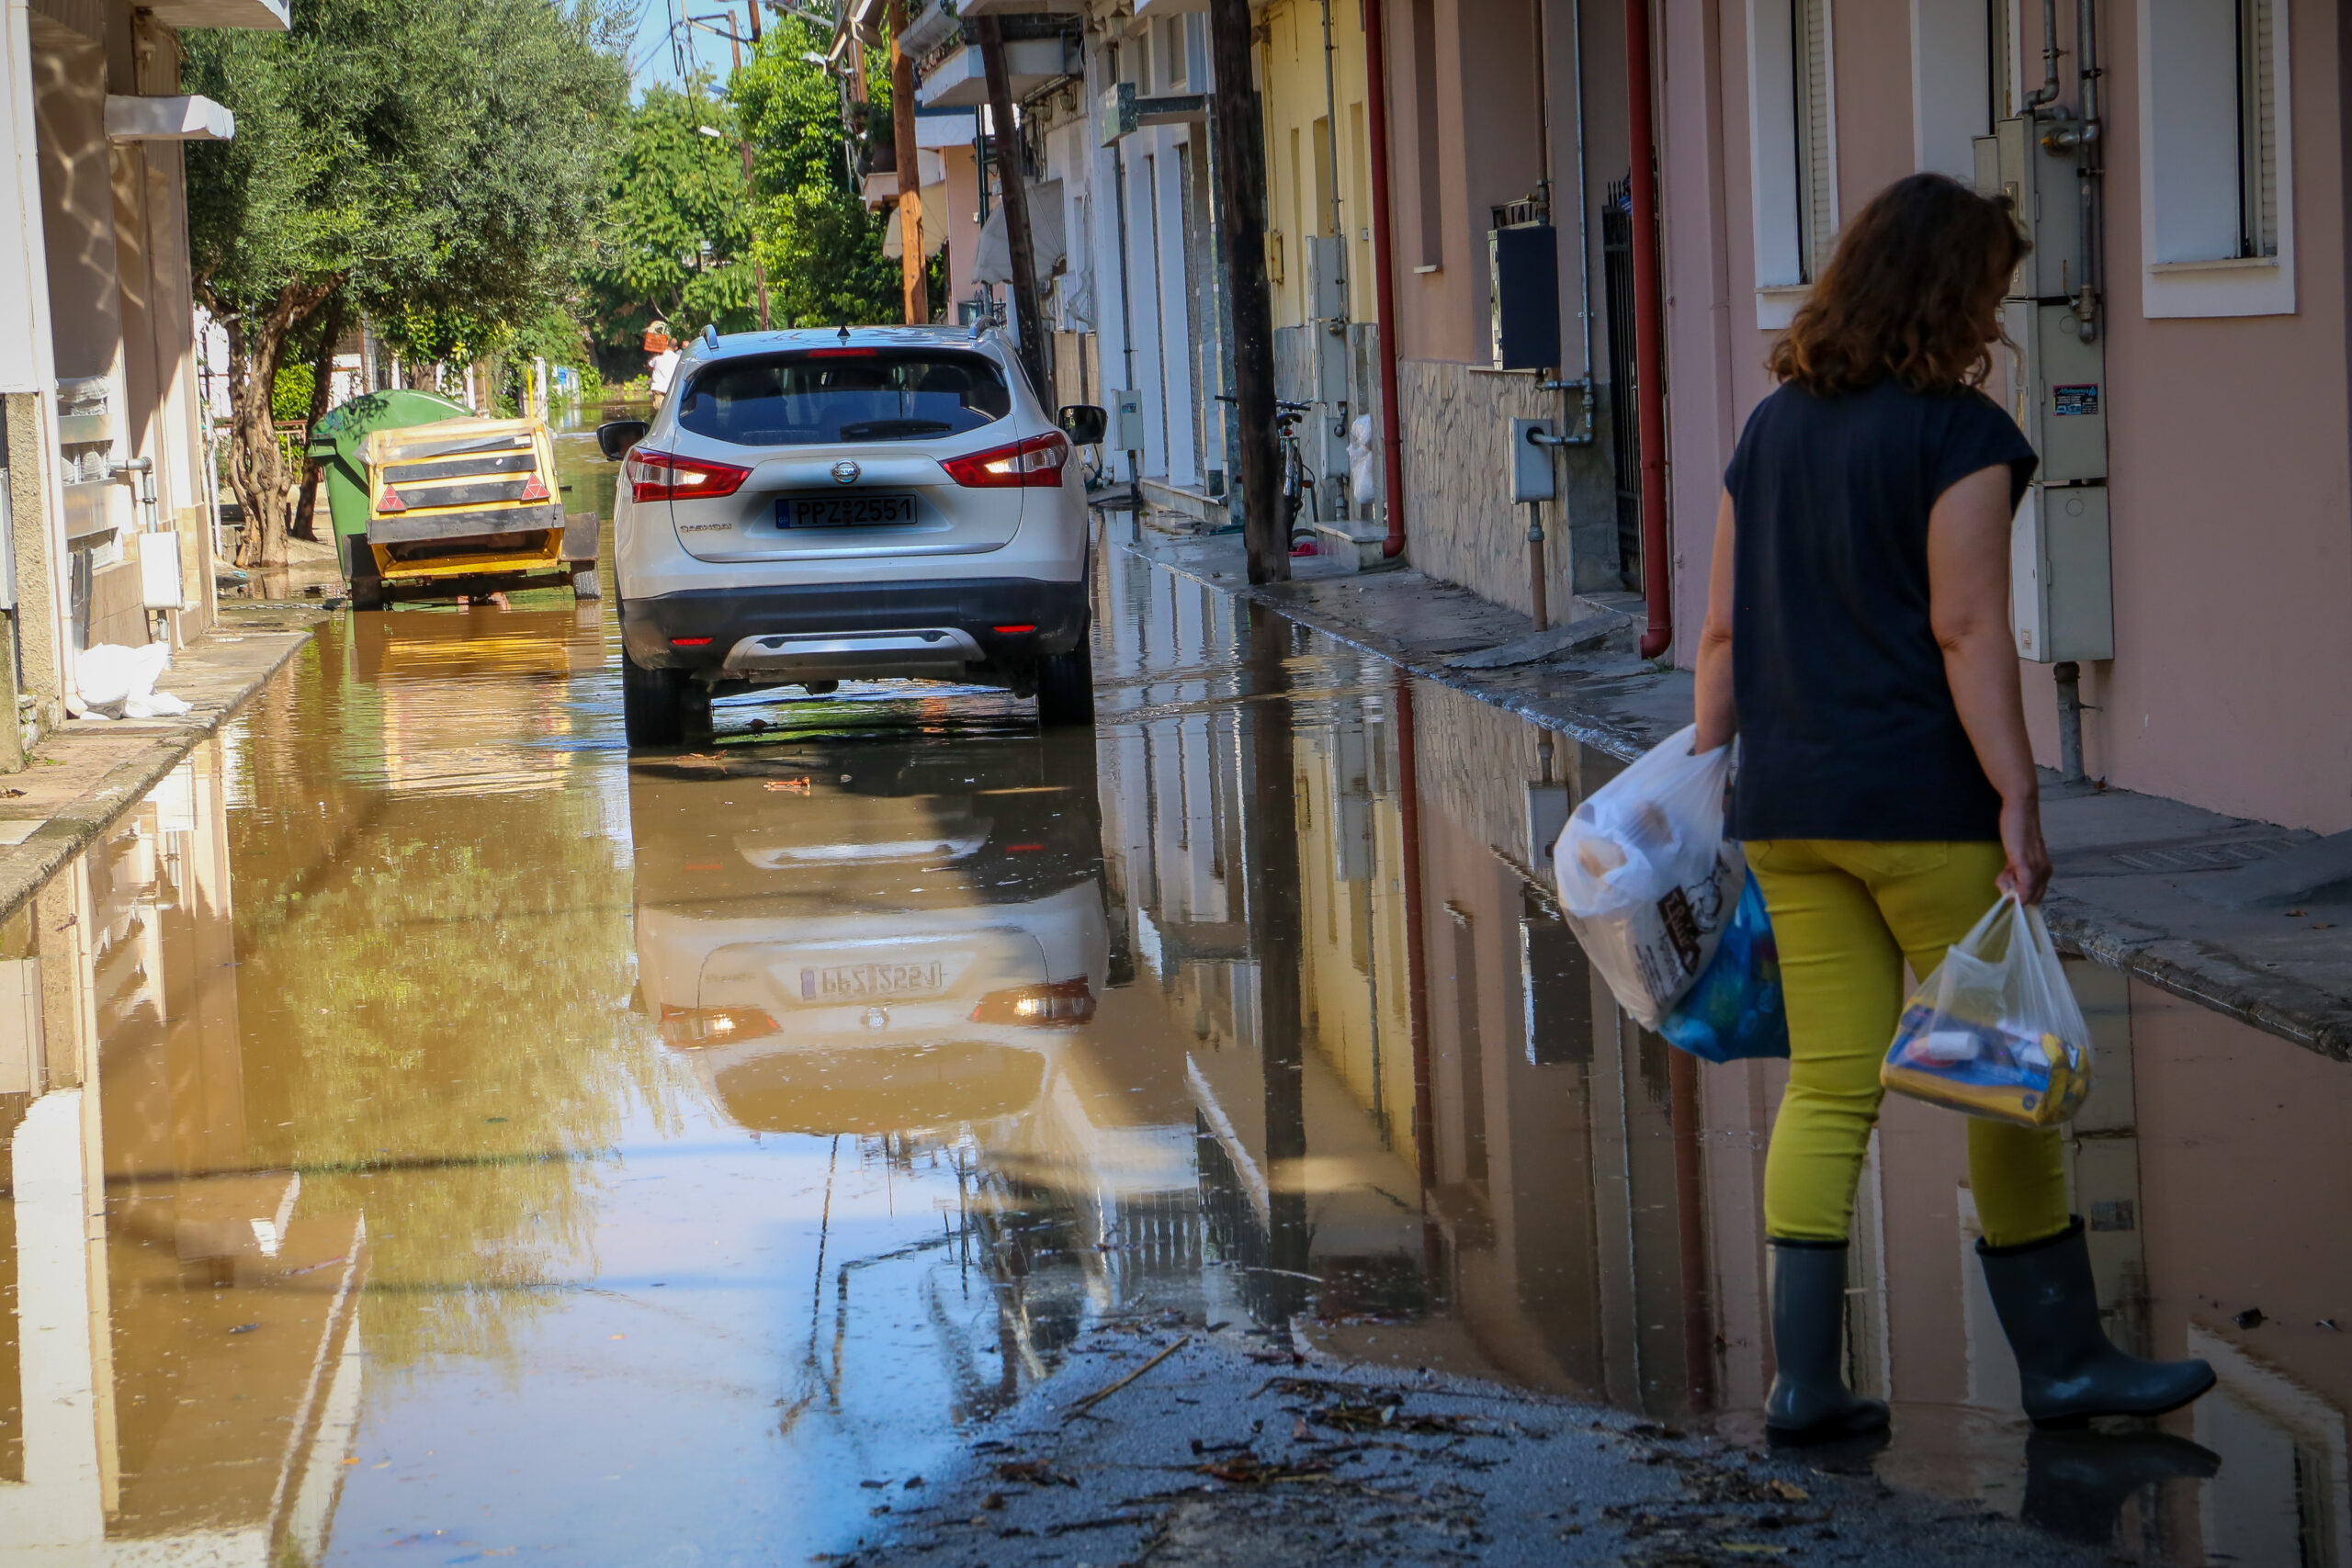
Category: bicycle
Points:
column 1300, row 483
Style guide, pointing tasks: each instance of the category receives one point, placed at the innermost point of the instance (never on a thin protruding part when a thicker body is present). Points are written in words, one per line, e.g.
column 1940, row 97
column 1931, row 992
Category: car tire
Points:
column 653, row 705
column 1065, row 687
column 366, row 582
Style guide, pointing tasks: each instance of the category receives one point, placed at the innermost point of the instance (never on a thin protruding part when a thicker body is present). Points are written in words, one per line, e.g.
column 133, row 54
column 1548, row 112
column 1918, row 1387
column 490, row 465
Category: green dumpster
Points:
column 339, row 443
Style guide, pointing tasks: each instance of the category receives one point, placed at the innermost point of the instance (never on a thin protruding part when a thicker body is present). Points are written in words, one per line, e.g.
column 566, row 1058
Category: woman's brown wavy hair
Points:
column 1913, row 291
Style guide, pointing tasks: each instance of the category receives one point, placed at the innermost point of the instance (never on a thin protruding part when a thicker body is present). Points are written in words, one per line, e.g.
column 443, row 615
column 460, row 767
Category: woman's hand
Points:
column 2027, row 874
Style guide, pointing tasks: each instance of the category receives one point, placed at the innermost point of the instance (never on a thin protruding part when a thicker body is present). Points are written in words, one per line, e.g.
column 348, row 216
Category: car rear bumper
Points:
column 825, row 632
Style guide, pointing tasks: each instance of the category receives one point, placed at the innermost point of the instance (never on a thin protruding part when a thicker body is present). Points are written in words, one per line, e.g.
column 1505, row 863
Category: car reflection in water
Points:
column 867, row 939
column 901, row 944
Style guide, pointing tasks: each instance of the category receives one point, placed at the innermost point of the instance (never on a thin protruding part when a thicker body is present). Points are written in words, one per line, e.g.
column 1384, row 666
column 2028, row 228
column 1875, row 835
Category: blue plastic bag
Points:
column 1733, row 1008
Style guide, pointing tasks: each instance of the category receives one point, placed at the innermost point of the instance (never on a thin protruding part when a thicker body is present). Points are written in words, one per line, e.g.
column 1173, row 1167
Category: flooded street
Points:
column 434, row 1134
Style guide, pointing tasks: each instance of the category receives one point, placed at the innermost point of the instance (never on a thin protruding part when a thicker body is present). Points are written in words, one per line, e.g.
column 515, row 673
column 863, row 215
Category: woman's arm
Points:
column 1968, row 604
column 1718, row 714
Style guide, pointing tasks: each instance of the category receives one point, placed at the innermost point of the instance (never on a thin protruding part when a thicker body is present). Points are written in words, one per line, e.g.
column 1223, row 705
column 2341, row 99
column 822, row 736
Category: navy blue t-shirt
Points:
column 1847, row 727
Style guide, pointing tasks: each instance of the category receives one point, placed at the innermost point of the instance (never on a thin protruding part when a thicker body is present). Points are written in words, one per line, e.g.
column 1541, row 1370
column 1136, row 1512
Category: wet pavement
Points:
column 434, row 1134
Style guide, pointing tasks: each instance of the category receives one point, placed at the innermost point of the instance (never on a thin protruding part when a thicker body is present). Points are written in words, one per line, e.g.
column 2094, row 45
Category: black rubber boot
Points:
column 2067, row 1370
column 2078, row 1482
column 1810, row 1402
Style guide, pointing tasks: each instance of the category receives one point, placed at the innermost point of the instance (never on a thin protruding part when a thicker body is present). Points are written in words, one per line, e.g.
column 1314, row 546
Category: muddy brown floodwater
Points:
column 432, row 1135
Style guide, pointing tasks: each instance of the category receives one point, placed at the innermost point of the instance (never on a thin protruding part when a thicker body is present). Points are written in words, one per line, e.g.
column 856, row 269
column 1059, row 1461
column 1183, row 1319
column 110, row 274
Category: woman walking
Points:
column 1858, row 643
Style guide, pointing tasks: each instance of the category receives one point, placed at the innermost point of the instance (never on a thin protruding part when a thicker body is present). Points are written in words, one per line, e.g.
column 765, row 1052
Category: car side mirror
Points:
column 614, row 437
column 1084, row 424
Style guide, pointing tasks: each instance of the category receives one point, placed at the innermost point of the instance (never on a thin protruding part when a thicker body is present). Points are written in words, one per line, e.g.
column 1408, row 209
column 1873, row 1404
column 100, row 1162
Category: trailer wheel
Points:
column 654, row 709
column 366, row 582
column 585, row 582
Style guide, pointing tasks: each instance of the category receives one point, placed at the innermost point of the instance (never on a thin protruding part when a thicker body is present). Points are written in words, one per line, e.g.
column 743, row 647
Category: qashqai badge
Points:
column 846, row 473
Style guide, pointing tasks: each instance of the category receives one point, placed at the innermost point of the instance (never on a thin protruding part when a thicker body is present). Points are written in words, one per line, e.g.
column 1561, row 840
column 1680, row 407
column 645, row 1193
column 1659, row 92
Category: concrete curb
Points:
column 110, row 767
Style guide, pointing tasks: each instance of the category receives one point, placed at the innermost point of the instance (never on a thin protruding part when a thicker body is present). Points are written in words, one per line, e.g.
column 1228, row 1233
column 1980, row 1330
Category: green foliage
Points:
column 436, row 159
column 290, row 397
column 822, row 249
column 675, row 191
column 676, row 241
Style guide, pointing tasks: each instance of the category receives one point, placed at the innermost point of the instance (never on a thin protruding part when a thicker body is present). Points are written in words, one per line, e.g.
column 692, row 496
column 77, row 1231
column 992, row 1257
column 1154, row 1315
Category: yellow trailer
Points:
column 465, row 506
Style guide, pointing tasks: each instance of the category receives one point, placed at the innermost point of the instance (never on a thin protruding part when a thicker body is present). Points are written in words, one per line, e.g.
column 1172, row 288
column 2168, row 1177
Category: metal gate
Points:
column 1624, row 421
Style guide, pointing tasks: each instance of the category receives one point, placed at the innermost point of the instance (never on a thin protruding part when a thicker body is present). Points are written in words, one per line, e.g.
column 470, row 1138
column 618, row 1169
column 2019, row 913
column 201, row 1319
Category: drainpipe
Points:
column 1384, row 276
column 1649, row 330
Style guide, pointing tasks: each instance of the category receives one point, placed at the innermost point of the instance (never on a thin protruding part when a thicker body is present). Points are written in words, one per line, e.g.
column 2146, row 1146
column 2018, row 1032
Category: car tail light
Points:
column 713, row 1026
column 1034, row 464
column 660, row 476
column 1055, row 1006
column 390, row 501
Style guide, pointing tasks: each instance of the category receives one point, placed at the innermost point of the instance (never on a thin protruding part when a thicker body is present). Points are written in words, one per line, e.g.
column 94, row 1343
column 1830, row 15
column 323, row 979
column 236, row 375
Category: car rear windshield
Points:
column 827, row 395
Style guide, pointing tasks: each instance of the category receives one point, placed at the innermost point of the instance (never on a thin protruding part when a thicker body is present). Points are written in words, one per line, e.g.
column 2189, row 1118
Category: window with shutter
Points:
column 2217, row 169
column 1792, row 148
column 2257, row 129
column 1816, row 171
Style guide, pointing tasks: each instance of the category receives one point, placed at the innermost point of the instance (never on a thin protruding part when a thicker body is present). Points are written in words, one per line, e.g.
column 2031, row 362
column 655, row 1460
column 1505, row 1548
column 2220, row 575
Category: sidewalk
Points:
column 1238, row 1449
column 2245, row 917
column 85, row 774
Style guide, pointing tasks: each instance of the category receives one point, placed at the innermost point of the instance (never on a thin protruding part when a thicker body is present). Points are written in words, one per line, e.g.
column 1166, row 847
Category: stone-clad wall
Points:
column 1459, row 523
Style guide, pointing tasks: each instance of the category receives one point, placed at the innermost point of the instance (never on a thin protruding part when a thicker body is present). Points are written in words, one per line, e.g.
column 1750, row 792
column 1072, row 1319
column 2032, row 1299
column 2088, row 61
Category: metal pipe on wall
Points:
column 1384, row 276
column 1649, row 333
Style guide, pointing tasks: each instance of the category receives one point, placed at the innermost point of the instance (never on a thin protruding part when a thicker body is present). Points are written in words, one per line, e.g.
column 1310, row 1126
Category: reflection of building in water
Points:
column 1488, row 1142
column 181, row 1364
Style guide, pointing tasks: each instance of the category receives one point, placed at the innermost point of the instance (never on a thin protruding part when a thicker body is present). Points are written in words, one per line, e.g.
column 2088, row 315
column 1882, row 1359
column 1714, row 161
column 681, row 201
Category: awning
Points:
column 992, row 256
column 188, row 119
column 934, row 226
column 267, row 16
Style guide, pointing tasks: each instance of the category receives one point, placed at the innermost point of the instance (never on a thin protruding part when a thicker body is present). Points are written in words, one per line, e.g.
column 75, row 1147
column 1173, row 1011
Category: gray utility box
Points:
column 1125, row 409
column 2045, row 190
column 1523, row 277
column 2057, row 394
column 2059, row 604
column 1531, row 475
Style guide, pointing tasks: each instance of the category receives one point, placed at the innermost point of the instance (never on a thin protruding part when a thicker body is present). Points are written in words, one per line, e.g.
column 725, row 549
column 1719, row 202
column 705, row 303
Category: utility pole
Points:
column 1015, row 193
column 914, row 288
column 743, row 146
column 1241, row 173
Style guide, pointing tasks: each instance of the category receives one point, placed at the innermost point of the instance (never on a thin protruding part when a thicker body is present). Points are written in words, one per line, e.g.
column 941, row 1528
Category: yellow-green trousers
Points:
column 1846, row 915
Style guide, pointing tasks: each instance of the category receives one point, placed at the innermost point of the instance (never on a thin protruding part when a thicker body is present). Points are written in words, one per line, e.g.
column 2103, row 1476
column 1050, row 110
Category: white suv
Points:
column 814, row 506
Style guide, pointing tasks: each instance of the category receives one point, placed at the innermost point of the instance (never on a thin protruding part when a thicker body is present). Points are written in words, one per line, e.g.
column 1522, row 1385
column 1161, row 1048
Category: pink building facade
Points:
column 2222, row 321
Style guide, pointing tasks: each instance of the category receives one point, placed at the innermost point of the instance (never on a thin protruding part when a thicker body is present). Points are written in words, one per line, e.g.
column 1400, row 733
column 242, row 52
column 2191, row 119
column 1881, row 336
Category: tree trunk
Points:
column 1241, row 173
column 306, row 499
column 916, row 301
column 1015, row 191
column 257, row 473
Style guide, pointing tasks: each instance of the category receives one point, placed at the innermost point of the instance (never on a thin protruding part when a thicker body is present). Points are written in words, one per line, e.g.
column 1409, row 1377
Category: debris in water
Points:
column 2250, row 1318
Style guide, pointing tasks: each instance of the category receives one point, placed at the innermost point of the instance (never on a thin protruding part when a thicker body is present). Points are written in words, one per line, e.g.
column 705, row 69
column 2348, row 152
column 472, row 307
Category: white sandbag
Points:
column 1361, row 484
column 115, row 682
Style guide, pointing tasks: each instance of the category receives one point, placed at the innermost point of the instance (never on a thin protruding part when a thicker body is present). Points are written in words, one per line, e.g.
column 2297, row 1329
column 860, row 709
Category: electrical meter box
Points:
column 1327, row 276
column 1531, row 476
column 2057, row 390
column 1523, row 294
column 2061, row 603
column 2045, row 189
column 1125, row 410
column 159, row 569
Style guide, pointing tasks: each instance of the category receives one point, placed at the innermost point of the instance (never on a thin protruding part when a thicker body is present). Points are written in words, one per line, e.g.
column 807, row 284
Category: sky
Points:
column 652, row 59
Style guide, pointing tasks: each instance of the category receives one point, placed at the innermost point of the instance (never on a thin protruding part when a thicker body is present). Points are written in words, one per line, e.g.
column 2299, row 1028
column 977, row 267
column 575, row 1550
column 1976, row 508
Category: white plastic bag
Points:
column 115, row 682
column 1995, row 1030
column 1646, row 877
column 1360, row 483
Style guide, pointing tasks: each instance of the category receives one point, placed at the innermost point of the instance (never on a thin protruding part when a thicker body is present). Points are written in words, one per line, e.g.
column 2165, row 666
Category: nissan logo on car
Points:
column 846, row 473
